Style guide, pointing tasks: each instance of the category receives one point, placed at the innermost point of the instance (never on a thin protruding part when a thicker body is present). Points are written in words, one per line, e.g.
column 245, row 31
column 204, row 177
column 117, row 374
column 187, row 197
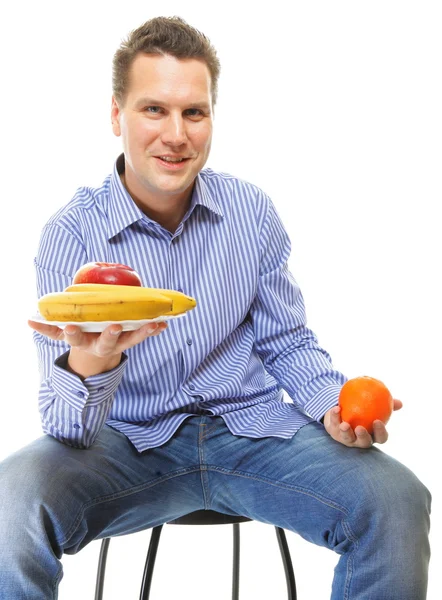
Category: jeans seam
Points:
column 123, row 494
column 203, row 466
column 305, row 491
column 57, row 580
column 208, row 431
column 350, row 555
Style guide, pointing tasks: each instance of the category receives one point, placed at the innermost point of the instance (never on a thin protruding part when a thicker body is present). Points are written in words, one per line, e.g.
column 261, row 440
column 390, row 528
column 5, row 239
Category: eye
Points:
column 154, row 110
column 194, row 112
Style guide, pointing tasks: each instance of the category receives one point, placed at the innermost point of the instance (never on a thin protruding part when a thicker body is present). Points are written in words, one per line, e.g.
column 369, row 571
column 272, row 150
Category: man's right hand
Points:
column 94, row 353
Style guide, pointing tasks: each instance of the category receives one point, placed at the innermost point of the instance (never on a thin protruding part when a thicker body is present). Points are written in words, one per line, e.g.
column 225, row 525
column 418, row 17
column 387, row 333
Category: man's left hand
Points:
column 359, row 437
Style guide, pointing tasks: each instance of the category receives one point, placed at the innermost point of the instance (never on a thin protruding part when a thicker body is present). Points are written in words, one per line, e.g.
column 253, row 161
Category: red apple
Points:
column 107, row 273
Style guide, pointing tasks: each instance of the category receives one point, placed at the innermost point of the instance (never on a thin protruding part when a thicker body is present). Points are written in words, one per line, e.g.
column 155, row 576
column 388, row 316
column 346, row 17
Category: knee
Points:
column 412, row 499
column 406, row 492
column 398, row 497
column 28, row 477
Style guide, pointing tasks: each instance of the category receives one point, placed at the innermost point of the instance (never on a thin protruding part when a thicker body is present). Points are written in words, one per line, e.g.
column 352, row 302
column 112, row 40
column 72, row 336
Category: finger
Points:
column 137, row 336
column 161, row 327
column 346, row 434
column 50, row 331
column 108, row 340
column 380, row 433
column 335, row 417
column 152, row 329
column 397, row 404
column 363, row 438
column 128, row 339
column 73, row 335
column 114, row 330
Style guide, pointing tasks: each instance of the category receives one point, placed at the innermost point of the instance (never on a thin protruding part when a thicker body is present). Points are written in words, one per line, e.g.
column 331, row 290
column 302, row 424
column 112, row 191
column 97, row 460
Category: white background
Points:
column 335, row 111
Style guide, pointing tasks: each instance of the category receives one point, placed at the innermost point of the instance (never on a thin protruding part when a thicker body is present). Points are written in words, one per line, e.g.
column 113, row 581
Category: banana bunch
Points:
column 105, row 302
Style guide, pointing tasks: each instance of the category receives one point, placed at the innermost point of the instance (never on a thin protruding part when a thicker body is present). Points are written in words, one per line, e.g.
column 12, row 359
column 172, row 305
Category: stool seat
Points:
column 208, row 517
column 199, row 517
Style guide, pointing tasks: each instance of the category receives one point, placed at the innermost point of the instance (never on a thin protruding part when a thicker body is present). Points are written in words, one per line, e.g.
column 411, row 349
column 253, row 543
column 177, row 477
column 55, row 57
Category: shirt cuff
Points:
column 94, row 390
column 323, row 401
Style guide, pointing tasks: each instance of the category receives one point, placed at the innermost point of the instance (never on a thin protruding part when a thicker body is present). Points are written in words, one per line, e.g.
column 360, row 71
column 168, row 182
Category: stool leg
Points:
column 150, row 562
column 101, row 569
column 287, row 561
column 235, row 578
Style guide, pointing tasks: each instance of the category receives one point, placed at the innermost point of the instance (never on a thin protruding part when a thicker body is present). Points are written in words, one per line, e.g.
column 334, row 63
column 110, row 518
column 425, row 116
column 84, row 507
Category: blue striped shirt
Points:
column 233, row 355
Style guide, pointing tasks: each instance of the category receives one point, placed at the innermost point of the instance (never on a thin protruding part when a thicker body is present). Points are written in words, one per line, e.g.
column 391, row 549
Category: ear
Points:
column 115, row 117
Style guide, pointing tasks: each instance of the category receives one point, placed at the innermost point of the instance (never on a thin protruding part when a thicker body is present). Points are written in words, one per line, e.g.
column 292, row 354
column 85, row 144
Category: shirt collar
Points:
column 124, row 212
column 203, row 196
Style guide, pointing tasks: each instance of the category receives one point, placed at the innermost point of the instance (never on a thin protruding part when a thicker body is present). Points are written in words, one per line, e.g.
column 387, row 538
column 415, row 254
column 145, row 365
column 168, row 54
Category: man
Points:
column 145, row 426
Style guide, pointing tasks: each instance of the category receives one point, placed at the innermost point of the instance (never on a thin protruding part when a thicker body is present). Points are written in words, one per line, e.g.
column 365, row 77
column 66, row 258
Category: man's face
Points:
column 166, row 117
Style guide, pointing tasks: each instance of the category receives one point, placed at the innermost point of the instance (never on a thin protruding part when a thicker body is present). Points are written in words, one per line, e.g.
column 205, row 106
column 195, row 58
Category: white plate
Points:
column 99, row 326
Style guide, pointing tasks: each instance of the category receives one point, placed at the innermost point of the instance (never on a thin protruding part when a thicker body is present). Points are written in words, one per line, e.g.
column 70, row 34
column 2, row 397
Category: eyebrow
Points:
column 152, row 102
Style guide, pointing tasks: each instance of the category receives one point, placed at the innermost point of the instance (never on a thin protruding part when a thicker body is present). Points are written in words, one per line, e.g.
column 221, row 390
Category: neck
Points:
column 168, row 212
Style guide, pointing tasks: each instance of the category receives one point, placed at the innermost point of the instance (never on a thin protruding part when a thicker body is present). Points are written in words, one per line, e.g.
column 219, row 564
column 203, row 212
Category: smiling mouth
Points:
column 170, row 159
column 172, row 164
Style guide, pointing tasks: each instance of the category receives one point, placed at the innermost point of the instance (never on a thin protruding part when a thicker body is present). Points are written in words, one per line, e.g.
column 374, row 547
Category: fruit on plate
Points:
column 180, row 302
column 364, row 400
column 107, row 273
column 104, row 305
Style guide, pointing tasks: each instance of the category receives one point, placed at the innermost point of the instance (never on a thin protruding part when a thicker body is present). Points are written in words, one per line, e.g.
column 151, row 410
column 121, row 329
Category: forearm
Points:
column 306, row 372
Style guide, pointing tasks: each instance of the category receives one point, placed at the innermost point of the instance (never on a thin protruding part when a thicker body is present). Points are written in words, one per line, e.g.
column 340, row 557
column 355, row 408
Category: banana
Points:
column 107, row 305
column 180, row 302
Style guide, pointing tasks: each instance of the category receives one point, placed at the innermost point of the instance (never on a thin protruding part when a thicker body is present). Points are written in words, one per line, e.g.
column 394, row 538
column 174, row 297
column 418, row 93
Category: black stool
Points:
column 199, row 517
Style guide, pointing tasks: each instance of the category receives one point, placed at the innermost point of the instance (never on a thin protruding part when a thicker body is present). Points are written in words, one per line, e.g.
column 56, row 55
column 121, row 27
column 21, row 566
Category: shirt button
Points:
column 101, row 389
column 180, row 290
column 189, row 341
column 80, row 394
column 76, row 426
column 191, row 386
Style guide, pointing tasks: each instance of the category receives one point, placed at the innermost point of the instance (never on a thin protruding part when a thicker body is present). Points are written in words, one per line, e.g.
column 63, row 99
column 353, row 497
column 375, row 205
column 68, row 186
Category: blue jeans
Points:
column 362, row 504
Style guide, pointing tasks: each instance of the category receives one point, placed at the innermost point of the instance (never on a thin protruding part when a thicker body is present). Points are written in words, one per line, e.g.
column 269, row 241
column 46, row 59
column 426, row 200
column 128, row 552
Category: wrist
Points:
column 86, row 365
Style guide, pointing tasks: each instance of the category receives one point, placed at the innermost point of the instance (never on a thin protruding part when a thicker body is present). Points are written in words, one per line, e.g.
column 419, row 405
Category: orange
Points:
column 364, row 400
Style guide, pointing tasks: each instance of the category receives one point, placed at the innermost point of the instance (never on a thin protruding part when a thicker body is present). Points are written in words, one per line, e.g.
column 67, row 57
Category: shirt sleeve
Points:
column 288, row 348
column 71, row 409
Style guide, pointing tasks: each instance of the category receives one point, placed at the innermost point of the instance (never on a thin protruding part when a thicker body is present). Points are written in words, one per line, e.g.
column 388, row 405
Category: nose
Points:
column 174, row 132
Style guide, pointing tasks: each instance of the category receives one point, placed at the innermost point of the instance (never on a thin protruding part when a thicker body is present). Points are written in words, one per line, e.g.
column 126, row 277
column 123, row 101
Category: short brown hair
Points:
column 163, row 35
